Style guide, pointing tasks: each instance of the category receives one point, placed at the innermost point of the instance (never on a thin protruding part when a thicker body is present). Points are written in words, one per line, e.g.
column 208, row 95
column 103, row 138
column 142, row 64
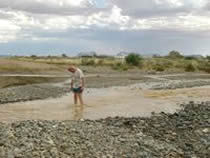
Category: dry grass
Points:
column 68, row 60
column 18, row 66
column 50, row 64
column 176, row 65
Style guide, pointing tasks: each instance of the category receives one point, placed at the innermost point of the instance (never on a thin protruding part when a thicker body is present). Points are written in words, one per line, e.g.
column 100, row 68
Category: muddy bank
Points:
column 182, row 134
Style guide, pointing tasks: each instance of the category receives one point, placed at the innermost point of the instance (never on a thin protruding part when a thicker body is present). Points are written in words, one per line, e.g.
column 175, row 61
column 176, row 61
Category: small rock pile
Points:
column 184, row 134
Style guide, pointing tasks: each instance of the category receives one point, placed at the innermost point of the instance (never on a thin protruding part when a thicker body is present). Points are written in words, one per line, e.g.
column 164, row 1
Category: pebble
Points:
column 206, row 130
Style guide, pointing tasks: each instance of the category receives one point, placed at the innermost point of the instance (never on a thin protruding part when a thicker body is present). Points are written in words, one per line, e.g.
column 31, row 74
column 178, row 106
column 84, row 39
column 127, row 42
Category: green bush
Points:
column 190, row 68
column 208, row 58
column 204, row 66
column 159, row 64
column 125, row 68
column 100, row 62
column 189, row 58
column 120, row 66
column 117, row 66
column 88, row 62
column 133, row 59
column 159, row 67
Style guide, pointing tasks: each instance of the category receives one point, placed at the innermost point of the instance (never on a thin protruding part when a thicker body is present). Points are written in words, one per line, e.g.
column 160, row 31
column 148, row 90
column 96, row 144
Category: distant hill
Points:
column 3, row 56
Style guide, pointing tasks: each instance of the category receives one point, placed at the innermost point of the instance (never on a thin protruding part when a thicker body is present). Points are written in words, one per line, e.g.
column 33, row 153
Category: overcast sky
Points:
column 45, row 27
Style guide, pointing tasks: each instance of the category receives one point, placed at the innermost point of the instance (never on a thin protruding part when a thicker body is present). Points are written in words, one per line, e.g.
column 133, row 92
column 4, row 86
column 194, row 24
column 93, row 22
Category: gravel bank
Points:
column 31, row 92
column 183, row 134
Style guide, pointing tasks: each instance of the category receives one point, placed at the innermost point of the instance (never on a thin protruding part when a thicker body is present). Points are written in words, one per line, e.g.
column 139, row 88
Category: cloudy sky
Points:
column 45, row 27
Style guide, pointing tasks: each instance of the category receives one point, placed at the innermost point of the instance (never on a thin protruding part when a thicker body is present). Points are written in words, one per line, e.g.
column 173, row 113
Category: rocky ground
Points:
column 185, row 134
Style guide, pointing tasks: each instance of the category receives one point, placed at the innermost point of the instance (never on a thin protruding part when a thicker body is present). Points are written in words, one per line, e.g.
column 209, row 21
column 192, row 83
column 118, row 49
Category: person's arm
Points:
column 83, row 82
column 72, row 82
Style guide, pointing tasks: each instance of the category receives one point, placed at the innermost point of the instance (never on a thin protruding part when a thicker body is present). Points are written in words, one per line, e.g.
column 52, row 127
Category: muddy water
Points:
column 102, row 103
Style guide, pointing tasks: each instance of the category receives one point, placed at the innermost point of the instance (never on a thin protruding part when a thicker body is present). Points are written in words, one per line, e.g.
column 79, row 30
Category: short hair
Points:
column 72, row 67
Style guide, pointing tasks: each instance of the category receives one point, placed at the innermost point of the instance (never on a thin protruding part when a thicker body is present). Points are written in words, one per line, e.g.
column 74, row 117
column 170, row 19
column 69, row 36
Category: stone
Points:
column 206, row 130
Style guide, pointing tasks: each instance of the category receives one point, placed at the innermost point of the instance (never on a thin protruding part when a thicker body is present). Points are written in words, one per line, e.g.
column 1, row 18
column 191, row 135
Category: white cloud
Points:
column 151, row 8
column 8, row 31
column 112, row 18
column 48, row 20
column 60, row 7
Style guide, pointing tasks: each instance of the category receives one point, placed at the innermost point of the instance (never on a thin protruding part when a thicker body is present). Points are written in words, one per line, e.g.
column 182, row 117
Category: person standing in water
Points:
column 77, row 84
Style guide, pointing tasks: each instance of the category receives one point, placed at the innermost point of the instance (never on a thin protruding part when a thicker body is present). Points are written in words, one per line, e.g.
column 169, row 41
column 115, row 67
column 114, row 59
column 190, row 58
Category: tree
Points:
column 174, row 54
column 133, row 59
column 64, row 55
column 208, row 58
column 33, row 56
column 156, row 56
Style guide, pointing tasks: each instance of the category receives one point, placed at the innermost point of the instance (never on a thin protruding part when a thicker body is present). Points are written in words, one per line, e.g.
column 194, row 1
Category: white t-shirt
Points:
column 77, row 78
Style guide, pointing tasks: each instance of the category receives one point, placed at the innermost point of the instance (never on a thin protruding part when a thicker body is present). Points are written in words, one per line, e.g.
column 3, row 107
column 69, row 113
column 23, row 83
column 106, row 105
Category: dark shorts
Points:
column 77, row 90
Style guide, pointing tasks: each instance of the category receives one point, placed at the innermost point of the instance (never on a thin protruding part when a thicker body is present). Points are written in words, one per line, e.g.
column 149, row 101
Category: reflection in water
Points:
column 78, row 112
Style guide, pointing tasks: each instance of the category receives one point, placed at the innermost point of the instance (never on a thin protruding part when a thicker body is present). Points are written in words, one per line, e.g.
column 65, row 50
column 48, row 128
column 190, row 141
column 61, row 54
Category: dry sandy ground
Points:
column 101, row 103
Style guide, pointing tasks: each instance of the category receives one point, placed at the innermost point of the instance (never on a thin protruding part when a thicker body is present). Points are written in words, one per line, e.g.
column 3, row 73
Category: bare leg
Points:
column 80, row 98
column 75, row 98
column 78, row 112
